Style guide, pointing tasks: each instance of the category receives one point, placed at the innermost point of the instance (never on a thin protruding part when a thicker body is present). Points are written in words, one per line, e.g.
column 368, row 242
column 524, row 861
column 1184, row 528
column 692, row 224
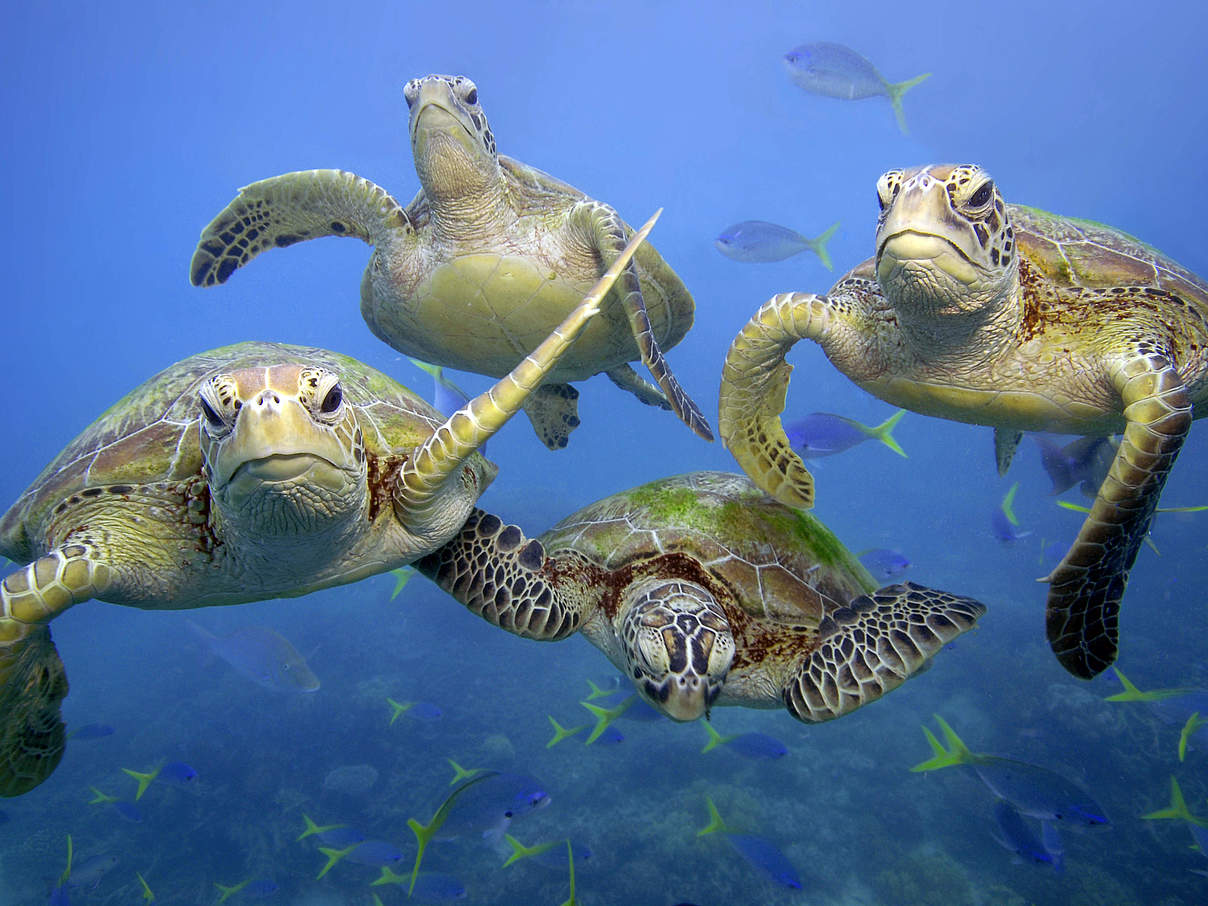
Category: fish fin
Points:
column 1008, row 504
column 1076, row 507
column 818, row 245
column 99, row 797
column 715, row 738
column 604, row 717
column 1005, row 444
column 561, row 732
column 388, row 877
column 228, row 892
column 1149, row 541
column 958, row 753
column 1194, row 722
column 435, row 370
column 896, row 90
column 402, row 576
column 715, row 825
column 570, row 857
column 884, row 432
column 144, row 780
column 148, row 895
column 67, row 871
column 1132, row 694
column 1177, row 808
column 397, row 709
column 425, row 832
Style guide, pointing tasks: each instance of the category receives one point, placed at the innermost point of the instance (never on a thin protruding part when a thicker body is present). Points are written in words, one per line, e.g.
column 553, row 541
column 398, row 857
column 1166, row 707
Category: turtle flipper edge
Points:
column 609, row 234
column 496, row 572
column 873, row 645
column 292, row 207
column 1083, row 608
column 33, row 683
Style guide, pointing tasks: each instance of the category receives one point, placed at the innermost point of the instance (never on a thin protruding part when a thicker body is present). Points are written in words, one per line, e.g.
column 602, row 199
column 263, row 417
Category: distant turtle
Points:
column 486, row 259
column 997, row 314
column 252, row 471
column 705, row 591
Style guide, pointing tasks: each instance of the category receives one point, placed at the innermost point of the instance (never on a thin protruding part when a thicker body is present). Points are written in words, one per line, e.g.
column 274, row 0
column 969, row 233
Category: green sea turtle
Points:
column 704, row 590
column 480, row 266
column 252, row 471
column 1002, row 315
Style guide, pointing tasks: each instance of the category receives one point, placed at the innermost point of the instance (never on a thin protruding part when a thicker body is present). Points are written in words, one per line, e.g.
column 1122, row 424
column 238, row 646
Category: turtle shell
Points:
column 152, row 433
column 1082, row 253
column 781, row 564
column 482, row 304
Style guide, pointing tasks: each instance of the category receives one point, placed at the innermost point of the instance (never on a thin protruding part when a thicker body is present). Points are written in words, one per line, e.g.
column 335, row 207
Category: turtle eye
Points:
column 211, row 416
column 982, row 196
column 332, row 401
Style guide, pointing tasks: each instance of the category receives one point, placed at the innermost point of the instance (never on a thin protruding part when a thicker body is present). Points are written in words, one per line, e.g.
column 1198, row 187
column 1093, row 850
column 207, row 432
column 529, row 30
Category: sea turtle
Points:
column 1002, row 315
column 704, row 590
column 252, row 471
column 478, row 268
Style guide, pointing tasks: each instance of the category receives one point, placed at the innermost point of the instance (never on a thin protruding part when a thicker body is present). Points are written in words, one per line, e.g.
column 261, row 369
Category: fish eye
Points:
column 211, row 416
column 332, row 401
column 983, row 195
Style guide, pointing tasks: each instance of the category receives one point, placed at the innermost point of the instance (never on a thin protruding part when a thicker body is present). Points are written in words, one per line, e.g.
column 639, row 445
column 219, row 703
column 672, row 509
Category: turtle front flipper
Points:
column 1083, row 608
column 554, row 411
column 873, row 645
column 608, row 233
column 498, row 573
column 33, row 684
column 282, row 210
column 628, row 379
column 754, row 381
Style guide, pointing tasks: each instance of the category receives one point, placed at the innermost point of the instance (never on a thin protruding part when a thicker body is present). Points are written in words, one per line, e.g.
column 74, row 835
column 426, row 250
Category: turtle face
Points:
column 453, row 146
column 678, row 644
column 282, row 449
column 944, row 240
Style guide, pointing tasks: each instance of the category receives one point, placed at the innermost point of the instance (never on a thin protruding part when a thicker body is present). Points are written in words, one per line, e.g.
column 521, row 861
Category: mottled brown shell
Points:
column 151, row 434
column 780, row 564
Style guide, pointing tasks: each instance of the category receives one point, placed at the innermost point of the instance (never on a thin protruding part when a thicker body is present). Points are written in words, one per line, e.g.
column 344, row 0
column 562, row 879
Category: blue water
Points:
column 129, row 126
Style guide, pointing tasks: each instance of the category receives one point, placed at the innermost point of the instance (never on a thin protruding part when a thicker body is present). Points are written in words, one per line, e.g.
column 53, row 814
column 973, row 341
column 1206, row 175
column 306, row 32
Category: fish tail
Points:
column 818, row 245
column 402, row 576
column 884, row 432
column 715, row 825
column 99, row 797
column 1008, row 504
column 561, row 732
column 67, row 871
column 1194, row 722
column 311, row 828
column 1132, row 694
column 520, row 851
column 333, row 856
column 144, row 780
column 148, row 895
column 425, row 832
column 460, row 773
column 715, row 738
column 1177, row 808
column 435, row 370
column 228, row 892
column 604, row 717
column 896, row 90
column 387, row 877
column 957, row 753
column 570, row 859
column 397, row 709
column 596, row 691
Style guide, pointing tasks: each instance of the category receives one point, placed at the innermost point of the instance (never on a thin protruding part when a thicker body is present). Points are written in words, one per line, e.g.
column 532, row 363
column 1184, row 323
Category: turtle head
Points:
column 945, row 244
column 677, row 642
column 282, row 450
column 452, row 144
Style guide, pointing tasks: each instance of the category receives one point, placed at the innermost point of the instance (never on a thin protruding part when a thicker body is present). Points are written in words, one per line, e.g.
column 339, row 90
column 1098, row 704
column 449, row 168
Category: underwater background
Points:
column 130, row 125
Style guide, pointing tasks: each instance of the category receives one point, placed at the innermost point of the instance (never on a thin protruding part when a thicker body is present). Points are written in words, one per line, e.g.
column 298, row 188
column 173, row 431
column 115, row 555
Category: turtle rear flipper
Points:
column 282, row 210
column 554, row 411
column 607, row 233
column 33, row 683
column 873, row 645
column 628, row 379
column 1083, row 608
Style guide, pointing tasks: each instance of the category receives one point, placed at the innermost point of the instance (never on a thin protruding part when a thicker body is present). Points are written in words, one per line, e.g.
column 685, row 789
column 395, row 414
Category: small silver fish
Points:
column 759, row 241
column 262, row 655
column 836, row 71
